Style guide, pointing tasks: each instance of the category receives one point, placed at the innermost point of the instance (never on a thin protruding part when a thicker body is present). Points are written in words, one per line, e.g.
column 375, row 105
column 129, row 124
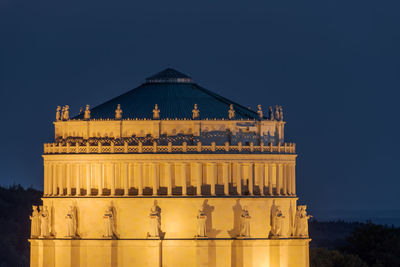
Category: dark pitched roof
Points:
column 169, row 75
column 175, row 99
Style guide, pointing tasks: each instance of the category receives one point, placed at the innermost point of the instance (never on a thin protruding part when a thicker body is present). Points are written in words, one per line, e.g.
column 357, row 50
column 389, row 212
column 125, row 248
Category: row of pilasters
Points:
column 80, row 178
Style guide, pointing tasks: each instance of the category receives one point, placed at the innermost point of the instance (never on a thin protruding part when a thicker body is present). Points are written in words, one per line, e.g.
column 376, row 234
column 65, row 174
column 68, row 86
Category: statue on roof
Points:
column 231, row 112
column 62, row 113
column 280, row 113
column 271, row 113
column 44, row 222
column 156, row 113
column 260, row 112
column 66, row 113
column 86, row 116
column 277, row 113
column 118, row 112
column 201, row 223
column 196, row 112
column 244, row 223
column 80, row 110
column 58, row 113
column 35, row 222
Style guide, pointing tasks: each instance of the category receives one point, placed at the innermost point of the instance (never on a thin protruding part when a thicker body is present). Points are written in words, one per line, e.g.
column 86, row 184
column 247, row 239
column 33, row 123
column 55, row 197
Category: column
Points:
column 46, row 178
column 198, row 176
column 78, row 184
column 258, row 176
column 250, row 177
column 60, row 179
column 168, row 177
column 112, row 178
column 211, row 176
column 293, row 167
column 155, row 182
column 55, row 176
column 225, row 177
column 140, row 178
column 239, row 178
column 126, row 184
column 101, row 179
column 284, row 179
column 183, row 177
column 50, row 179
column 270, row 173
column 278, row 178
column 68, row 178
column 88, row 179
column 289, row 179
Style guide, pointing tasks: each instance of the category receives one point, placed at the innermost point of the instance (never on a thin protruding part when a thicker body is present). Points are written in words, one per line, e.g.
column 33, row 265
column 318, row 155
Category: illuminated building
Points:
column 170, row 174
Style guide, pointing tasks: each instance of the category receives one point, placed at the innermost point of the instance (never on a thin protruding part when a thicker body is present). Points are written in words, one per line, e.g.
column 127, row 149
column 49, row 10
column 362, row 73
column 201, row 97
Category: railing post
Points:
column 125, row 147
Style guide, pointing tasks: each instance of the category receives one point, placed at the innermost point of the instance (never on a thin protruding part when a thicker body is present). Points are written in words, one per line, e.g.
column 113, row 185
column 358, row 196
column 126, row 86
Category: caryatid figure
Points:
column 260, row 112
column 58, row 113
column 86, row 115
column 71, row 222
column 245, row 223
column 109, row 222
column 201, row 223
column 301, row 222
column 35, row 222
column 276, row 221
column 231, row 112
column 118, row 112
column 44, row 222
column 156, row 112
column 155, row 221
column 196, row 112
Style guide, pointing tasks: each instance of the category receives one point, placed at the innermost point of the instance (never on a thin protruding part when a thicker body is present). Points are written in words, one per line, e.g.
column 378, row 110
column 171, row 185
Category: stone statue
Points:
column 301, row 221
column 271, row 114
column 231, row 112
column 280, row 113
column 80, row 110
column 201, row 223
column 44, row 222
column 66, row 113
column 277, row 113
column 58, row 113
column 155, row 221
column 62, row 113
column 156, row 112
column 86, row 116
column 196, row 112
column 118, row 112
column 276, row 221
column 260, row 112
column 71, row 222
column 244, row 223
column 35, row 222
column 109, row 223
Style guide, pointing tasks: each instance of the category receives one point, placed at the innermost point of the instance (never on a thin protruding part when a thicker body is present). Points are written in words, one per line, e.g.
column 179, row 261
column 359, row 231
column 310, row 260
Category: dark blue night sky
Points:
column 333, row 65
